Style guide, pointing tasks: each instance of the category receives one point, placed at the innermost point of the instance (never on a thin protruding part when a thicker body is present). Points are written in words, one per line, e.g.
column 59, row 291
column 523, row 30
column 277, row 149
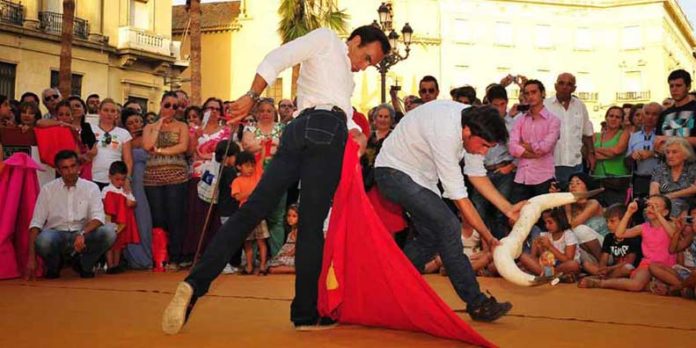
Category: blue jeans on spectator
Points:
column 495, row 220
column 53, row 245
column 439, row 231
column 311, row 150
column 563, row 174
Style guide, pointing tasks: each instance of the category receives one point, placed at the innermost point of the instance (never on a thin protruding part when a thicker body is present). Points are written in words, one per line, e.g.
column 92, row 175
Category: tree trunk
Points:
column 65, row 72
column 195, row 15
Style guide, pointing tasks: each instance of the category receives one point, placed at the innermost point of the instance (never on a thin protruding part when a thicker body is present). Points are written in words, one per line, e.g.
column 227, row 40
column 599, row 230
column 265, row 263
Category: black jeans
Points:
column 521, row 192
column 311, row 150
column 168, row 205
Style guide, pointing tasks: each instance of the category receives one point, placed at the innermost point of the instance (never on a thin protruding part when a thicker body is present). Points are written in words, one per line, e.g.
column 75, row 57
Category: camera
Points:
column 523, row 107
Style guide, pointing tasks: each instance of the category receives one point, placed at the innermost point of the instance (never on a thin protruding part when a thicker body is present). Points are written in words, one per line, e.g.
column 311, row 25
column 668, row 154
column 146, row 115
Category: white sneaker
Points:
column 175, row 314
column 229, row 269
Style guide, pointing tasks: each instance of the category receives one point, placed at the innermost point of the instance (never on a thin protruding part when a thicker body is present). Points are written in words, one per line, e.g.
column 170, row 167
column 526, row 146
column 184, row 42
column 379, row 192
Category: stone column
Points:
column 31, row 13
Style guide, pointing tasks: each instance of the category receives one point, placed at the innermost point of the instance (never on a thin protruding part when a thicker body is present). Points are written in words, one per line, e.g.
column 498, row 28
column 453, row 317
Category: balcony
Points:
column 138, row 39
column 52, row 22
column 588, row 96
column 633, row 96
column 11, row 13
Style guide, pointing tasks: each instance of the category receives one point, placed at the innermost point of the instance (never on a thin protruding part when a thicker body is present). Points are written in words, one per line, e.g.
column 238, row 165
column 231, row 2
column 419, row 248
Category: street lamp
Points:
column 386, row 19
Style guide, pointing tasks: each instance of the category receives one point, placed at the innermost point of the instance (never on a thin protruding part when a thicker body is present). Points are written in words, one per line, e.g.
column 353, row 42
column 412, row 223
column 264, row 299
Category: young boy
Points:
column 250, row 171
column 227, row 205
column 619, row 255
column 118, row 208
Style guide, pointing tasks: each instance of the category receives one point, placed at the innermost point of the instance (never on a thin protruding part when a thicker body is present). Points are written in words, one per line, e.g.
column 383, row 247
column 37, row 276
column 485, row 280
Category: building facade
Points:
column 621, row 51
column 122, row 49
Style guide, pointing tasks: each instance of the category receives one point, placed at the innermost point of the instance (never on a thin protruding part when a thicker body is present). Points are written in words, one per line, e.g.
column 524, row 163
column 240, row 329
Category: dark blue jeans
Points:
column 495, row 220
column 311, row 150
column 53, row 245
column 439, row 231
column 168, row 206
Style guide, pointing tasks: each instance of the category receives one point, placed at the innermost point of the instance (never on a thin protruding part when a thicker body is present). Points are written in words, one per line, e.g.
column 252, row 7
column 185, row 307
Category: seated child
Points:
column 119, row 210
column 284, row 261
column 620, row 256
column 554, row 251
column 250, row 171
column 475, row 249
column 657, row 234
column 672, row 280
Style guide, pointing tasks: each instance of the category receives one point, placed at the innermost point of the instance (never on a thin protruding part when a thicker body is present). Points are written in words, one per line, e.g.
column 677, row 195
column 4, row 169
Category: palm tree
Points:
column 65, row 70
column 194, row 10
column 299, row 17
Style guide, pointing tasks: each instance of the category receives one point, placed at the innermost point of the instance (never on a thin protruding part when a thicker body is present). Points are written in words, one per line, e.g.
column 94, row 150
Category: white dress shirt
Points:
column 427, row 146
column 65, row 208
column 325, row 80
column 575, row 123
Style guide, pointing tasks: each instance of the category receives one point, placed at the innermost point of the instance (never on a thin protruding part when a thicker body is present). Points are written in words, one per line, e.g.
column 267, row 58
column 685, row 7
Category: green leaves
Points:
column 299, row 17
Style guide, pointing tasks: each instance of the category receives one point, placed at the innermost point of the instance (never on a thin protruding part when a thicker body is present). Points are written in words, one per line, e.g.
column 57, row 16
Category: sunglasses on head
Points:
column 106, row 141
column 427, row 90
column 170, row 106
column 51, row 97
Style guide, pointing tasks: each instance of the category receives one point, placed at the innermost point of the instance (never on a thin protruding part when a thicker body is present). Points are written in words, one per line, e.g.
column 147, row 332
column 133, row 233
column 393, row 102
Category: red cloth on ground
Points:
column 115, row 206
column 391, row 214
column 367, row 280
column 52, row 140
column 19, row 189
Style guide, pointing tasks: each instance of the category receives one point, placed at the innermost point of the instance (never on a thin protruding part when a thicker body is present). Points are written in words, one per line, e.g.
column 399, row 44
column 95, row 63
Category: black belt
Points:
column 334, row 109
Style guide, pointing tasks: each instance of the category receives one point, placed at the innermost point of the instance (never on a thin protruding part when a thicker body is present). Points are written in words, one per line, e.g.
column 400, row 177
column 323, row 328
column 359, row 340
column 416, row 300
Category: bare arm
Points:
column 590, row 210
column 471, row 216
column 654, row 188
column 635, row 231
column 182, row 146
column 589, row 146
column 616, row 150
column 30, row 269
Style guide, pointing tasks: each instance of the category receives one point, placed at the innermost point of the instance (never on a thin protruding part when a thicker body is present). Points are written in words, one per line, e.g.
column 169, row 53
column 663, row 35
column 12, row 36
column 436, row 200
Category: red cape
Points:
column 367, row 280
column 115, row 207
column 53, row 140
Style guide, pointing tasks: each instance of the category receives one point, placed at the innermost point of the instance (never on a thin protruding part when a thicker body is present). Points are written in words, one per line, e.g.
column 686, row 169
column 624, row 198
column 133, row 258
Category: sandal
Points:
column 658, row 288
column 590, row 283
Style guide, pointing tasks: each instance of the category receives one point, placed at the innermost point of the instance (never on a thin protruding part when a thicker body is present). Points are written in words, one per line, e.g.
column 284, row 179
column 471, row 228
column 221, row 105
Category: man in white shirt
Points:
column 576, row 129
column 311, row 150
column 68, row 219
column 424, row 149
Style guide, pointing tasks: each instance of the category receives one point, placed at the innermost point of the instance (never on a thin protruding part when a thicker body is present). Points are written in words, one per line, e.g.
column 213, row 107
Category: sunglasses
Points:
column 286, row 105
column 107, row 139
column 170, row 106
column 427, row 90
column 51, row 97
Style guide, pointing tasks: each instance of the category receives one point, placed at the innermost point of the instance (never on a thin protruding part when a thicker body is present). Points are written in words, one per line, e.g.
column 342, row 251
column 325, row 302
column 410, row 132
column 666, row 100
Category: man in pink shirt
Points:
column 532, row 140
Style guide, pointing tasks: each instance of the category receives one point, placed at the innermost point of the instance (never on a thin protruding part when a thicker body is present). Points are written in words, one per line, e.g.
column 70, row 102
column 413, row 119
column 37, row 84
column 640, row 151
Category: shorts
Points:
column 586, row 234
column 644, row 264
column 682, row 272
column 259, row 232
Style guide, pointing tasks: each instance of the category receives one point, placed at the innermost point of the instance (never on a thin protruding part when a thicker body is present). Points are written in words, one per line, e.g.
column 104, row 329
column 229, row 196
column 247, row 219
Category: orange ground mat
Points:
column 248, row 311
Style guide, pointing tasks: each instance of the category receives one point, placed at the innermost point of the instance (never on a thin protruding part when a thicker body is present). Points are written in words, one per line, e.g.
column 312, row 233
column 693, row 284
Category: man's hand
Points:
column 504, row 170
column 30, row 269
column 79, row 244
column 514, row 212
column 493, row 243
column 359, row 138
column 507, row 80
column 659, row 143
column 591, row 161
column 240, row 108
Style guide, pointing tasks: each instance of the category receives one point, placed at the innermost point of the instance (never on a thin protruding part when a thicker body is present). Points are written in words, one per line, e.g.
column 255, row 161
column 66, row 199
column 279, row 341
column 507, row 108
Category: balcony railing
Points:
column 588, row 96
column 11, row 13
column 633, row 96
column 52, row 22
column 129, row 37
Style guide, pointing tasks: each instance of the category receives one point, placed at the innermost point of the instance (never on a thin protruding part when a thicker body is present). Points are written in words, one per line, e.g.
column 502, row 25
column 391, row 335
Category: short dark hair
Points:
column 617, row 210
column 118, row 167
column 680, row 74
column 195, row 108
column 558, row 215
column 64, row 103
column 169, row 94
column 464, row 91
column 429, row 78
column 93, row 95
column 369, row 34
column 63, row 155
column 127, row 113
column 220, row 154
column 542, row 89
column 84, row 106
column 29, row 94
column 418, row 101
column 23, row 106
column 485, row 122
column 496, row 91
column 245, row 157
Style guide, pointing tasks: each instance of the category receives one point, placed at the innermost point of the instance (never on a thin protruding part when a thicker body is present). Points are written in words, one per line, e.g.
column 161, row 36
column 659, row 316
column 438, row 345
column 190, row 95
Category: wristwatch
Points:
column 81, row 233
column 253, row 95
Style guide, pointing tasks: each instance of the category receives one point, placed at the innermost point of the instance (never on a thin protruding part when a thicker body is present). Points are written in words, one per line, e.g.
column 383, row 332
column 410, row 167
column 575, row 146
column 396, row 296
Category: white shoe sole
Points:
column 306, row 328
column 175, row 313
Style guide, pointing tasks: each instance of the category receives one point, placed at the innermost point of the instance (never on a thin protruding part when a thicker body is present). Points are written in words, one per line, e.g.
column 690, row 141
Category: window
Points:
column 631, row 38
column 275, row 92
column 584, row 82
column 632, row 81
column 75, row 87
column 546, row 77
column 583, row 39
column 462, row 31
column 8, row 74
column 142, row 101
column 503, row 34
column 462, row 76
column 141, row 14
column 543, row 36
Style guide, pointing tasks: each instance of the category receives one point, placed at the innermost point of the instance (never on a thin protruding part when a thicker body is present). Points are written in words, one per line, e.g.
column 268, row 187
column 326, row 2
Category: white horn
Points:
column 510, row 247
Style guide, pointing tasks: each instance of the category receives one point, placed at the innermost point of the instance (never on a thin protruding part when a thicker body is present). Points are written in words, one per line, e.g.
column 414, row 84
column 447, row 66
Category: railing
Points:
column 129, row 37
column 52, row 22
column 588, row 96
column 633, row 96
column 11, row 13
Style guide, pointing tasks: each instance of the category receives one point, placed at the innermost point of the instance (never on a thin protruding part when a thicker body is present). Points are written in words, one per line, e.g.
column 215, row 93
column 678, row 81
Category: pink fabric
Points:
column 542, row 134
column 655, row 245
column 19, row 188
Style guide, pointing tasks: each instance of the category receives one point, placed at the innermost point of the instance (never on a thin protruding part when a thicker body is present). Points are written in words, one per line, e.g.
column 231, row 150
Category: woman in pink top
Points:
column 657, row 233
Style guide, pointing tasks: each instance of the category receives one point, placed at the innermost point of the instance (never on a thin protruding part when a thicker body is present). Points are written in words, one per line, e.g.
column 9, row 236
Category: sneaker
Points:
column 229, row 269
column 177, row 312
column 323, row 323
column 78, row 269
column 489, row 310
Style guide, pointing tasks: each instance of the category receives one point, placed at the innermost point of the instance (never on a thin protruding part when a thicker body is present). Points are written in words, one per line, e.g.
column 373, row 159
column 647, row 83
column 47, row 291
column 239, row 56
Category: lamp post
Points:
column 394, row 56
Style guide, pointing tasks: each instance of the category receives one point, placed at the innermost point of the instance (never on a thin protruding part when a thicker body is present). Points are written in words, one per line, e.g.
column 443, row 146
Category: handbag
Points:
column 206, row 186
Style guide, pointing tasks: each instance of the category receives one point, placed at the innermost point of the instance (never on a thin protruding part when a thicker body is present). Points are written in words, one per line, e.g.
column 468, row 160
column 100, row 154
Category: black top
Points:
column 678, row 121
column 620, row 249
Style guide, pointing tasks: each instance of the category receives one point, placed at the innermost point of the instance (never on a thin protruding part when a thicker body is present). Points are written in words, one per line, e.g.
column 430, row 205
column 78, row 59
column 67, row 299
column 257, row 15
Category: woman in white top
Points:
column 113, row 144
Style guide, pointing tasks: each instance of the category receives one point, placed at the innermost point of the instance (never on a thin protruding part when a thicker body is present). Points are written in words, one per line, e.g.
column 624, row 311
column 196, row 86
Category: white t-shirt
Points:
column 567, row 239
column 107, row 151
